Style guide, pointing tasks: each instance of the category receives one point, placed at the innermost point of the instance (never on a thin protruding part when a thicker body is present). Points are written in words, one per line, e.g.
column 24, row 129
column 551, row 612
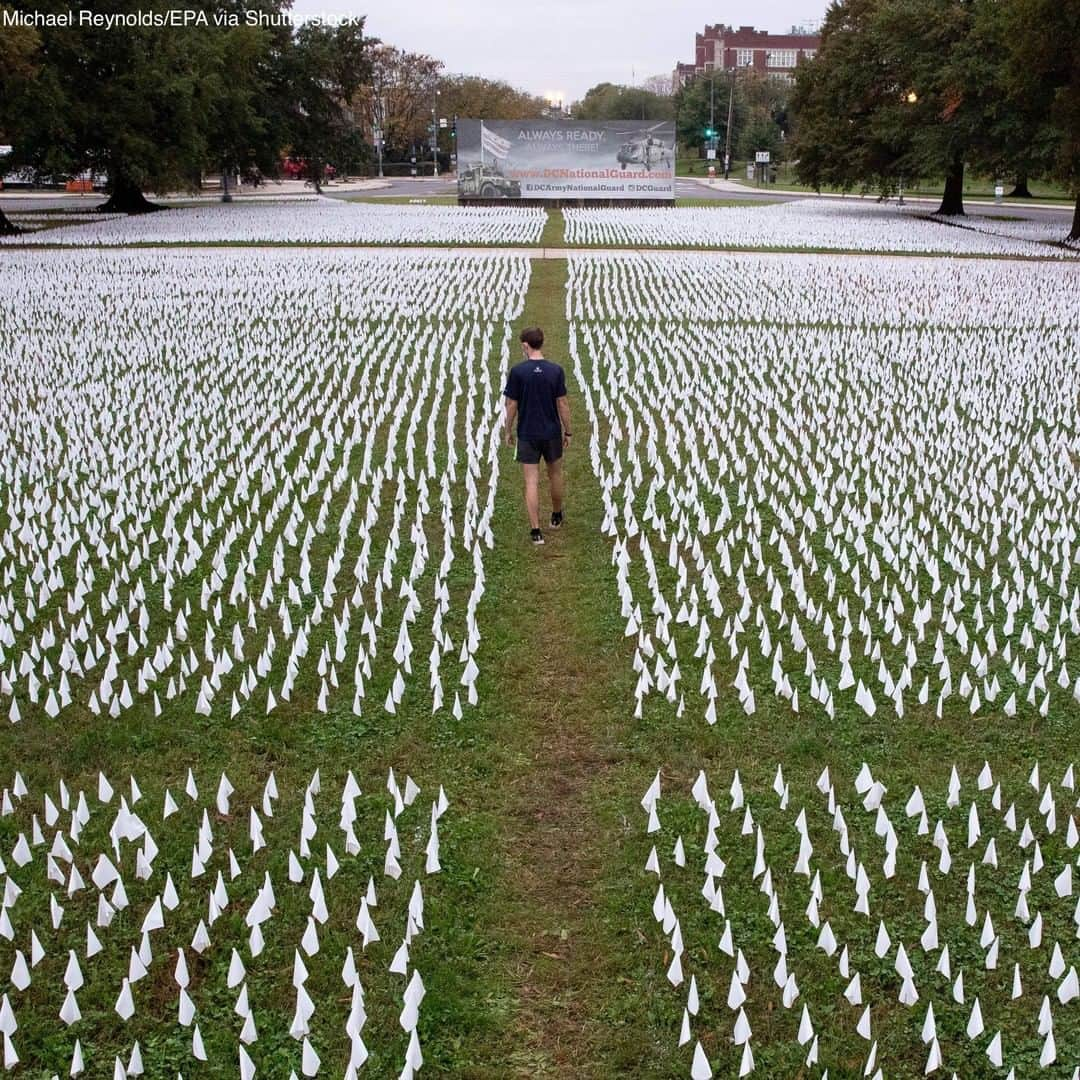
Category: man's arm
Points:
column 563, row 405
column 511, row 417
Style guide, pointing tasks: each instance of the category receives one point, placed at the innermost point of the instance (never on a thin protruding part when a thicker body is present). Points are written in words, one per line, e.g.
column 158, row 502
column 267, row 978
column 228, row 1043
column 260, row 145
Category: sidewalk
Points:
column 276, row 189
column 733, row 187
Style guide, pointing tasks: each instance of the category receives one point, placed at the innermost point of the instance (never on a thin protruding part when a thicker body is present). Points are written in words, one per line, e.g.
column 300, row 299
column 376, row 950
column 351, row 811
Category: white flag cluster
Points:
column 93, row 886
column 293, row 489
column 301, row 221
column 847, row 918
column 832, row 481
column 817, row 224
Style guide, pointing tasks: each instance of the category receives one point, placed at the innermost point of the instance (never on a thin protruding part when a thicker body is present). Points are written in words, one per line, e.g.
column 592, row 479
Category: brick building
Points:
column 722, row 48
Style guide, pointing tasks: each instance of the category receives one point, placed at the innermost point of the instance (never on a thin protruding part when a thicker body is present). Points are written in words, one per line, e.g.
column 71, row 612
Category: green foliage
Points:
column 610, row 101
column 327, row 65
column 154, row 106
column 1043, row 71
column 759, row 113
column 475, row 96
column 910, row 88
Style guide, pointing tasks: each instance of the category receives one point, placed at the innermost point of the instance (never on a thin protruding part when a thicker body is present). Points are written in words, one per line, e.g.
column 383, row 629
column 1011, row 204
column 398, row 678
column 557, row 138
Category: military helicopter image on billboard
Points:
column 646, row 148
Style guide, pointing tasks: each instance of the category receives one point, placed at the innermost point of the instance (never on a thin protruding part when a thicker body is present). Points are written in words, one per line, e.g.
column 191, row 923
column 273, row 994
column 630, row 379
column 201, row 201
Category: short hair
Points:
column 533, row 336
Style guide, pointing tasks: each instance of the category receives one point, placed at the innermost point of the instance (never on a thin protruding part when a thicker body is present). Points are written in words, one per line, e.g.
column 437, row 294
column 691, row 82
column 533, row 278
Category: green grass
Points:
column 540, row 954
column 1041, row 193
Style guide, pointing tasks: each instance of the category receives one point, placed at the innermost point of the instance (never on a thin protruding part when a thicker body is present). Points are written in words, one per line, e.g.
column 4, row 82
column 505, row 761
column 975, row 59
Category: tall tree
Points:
column 18, row 51
column 840, row 99
column 248, row 105
column 126, row 103
column 477, row 97
column 398, row 96
column 660, row 85
column 610, row 101
column 900, row 88
column 327, row 65
column 1044, row 70
column 703, row 102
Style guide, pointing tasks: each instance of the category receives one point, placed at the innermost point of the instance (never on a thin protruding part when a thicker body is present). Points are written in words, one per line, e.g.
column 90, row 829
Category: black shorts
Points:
column 530, row 451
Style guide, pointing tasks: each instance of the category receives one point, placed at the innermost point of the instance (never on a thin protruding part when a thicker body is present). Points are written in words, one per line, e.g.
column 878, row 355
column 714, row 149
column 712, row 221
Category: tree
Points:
column 326, row 66
column 839, row 99
column 660, row 85
column 18, row 55
column 249, row 109
column 900, row 88
column 476, row 97
column 397, row 96
column 128, row 104
column 610, row 101
column 1044, row 69
column 703, row 103
column 766, row 122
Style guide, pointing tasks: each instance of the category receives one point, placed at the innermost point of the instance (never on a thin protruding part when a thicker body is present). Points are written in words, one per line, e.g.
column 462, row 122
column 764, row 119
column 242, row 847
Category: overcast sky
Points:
column 559, row 45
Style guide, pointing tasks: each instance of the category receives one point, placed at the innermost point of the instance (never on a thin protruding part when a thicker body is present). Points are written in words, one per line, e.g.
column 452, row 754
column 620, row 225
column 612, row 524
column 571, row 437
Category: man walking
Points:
column 536, row 398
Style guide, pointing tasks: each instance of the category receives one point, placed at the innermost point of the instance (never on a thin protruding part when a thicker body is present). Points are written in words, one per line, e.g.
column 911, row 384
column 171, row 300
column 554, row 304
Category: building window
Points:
column 744, row 57
column 809, row 54
column 780, row 58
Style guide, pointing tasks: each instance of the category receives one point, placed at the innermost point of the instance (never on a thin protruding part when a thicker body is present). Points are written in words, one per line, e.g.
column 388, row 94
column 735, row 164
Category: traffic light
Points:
column 710, row 132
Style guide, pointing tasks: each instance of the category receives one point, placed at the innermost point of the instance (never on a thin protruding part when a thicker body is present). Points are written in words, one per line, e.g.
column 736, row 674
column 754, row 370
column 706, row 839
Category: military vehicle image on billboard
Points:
column 484, row 180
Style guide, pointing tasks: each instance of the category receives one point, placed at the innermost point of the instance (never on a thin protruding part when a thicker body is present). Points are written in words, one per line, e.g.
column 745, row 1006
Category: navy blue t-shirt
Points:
column 535, row 385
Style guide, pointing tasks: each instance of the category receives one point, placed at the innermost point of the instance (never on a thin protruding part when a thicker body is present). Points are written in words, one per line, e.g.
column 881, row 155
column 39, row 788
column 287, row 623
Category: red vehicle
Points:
column 294, row 168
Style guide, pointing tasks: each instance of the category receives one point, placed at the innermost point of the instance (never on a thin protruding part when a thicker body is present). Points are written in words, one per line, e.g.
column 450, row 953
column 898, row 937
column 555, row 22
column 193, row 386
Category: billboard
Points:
column 566, row 159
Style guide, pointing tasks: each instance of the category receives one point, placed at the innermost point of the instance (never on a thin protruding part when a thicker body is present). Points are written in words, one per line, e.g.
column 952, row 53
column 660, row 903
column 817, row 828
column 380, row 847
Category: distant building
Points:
column 722, row 48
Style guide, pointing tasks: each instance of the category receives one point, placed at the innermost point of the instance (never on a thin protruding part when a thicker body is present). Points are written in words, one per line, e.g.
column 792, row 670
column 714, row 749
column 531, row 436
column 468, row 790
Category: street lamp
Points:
column 910, row 98
column 730, row 111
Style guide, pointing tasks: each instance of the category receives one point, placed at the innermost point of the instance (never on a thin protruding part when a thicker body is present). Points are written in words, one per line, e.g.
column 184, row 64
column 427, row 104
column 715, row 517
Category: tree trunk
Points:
column 1075, row 234
column 8, row 228
column 952, row 202
column 1021, row 190
column 126, row 197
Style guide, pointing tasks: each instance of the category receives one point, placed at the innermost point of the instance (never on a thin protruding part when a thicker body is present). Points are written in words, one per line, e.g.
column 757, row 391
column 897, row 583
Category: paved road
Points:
column 692, row 189
column 684, row 188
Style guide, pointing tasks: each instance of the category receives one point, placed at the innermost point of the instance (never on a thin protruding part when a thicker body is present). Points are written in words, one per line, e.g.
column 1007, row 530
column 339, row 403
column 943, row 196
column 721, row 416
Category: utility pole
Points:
column 730, row 113
column 434, row 133
column 727, row 132
column 380, row 113
column 712, row 102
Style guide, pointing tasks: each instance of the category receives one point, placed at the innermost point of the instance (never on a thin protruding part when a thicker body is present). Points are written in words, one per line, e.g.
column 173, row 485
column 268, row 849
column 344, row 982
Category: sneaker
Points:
column 537, row 536
column 556, row 519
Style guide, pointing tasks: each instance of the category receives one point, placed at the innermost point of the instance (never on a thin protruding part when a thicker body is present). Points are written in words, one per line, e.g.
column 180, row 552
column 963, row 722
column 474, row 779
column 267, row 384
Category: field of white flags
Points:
column 858, row 927
column 311, row 764
column 817, row 224
column 843, row 498
column 150, row 931
column 840, row 497
column 246, row 517
column 303, row 221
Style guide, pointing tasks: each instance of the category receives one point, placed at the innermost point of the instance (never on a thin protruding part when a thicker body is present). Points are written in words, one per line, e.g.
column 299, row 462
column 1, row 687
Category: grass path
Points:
column 557, row 693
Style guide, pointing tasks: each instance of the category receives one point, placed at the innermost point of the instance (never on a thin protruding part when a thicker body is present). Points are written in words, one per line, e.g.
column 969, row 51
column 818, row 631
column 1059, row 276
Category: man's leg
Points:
column 532, row 494
column 555, row 480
